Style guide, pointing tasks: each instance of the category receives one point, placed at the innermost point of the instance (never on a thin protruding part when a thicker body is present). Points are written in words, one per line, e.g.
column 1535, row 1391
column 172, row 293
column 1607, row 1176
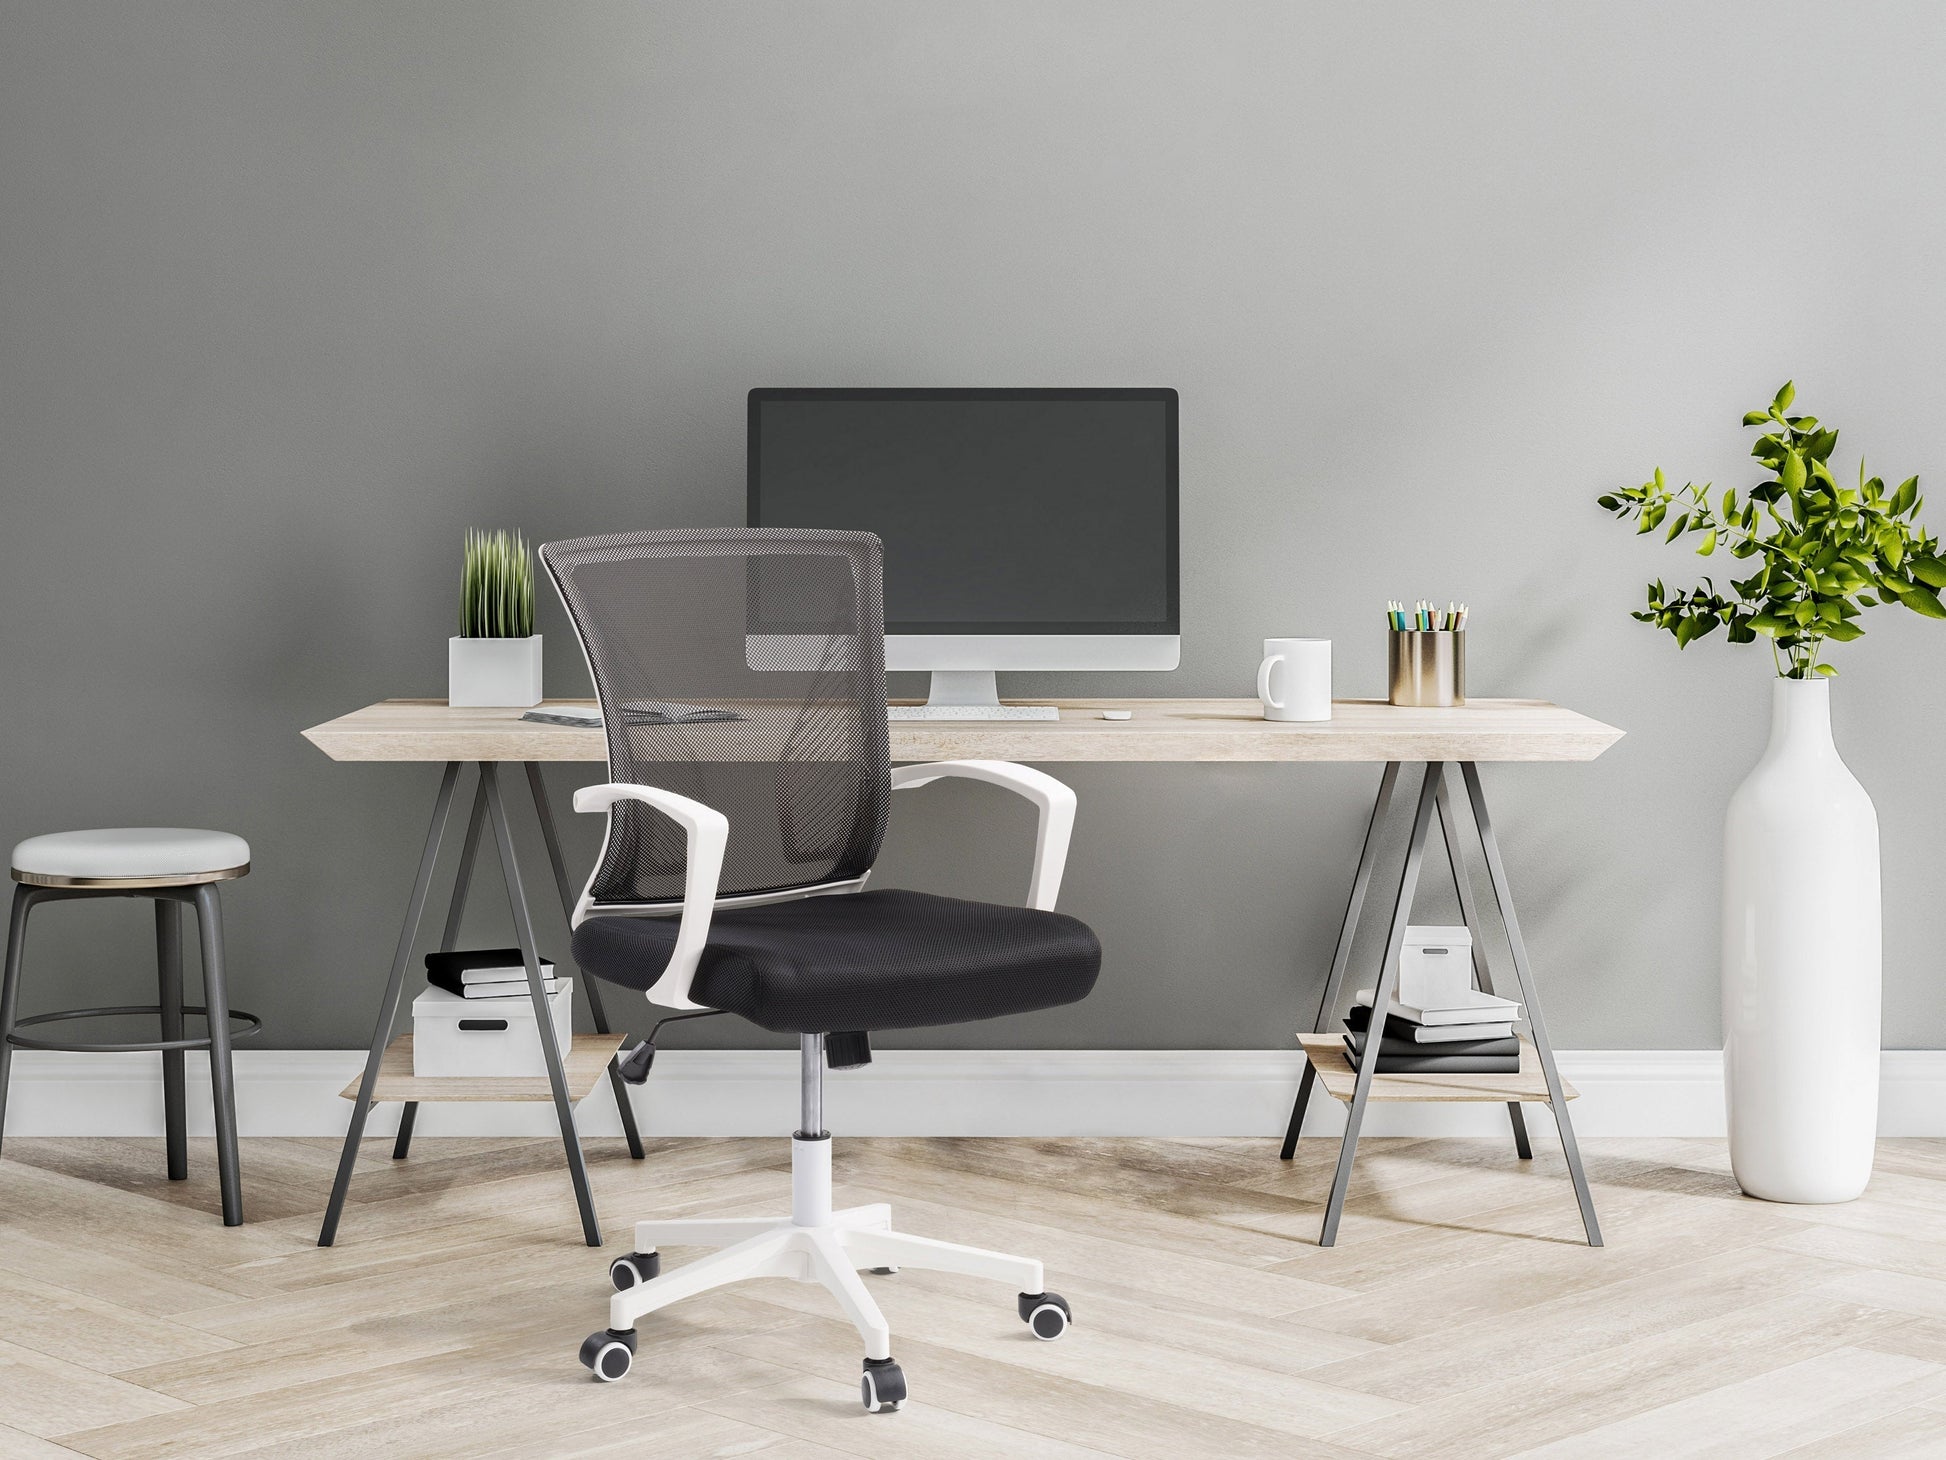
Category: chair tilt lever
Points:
column 636, row 1063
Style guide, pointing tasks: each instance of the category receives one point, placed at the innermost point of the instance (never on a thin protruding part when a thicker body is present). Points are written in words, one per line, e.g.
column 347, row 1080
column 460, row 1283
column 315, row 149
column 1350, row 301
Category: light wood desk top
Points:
column 1161, row 730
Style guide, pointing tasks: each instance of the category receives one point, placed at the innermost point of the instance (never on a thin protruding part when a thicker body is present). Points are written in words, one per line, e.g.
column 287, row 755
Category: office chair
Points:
column 741, row 674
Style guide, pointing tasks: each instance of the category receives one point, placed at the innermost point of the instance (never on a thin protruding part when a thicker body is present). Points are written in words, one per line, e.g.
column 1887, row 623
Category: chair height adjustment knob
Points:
column 848, row 1050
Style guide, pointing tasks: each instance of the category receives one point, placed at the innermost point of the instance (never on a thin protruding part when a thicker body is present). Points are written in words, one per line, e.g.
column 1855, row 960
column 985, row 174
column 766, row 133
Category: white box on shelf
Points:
column 1435, row 966
column 454, row 1037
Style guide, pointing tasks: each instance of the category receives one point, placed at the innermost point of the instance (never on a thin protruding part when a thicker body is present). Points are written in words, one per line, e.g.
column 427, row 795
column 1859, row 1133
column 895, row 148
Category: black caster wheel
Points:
column 1047, row 1314
column 883, row 1387
column 609, row 1352
column 883, row 1271
column 632, row 1269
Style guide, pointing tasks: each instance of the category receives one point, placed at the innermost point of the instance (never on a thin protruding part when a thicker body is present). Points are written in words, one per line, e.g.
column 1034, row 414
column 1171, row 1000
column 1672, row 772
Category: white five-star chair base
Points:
column 813, row 1245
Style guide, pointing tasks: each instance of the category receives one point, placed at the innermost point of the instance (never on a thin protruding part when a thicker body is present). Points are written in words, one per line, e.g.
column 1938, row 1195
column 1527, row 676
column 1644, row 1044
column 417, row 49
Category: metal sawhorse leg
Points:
column 1433, row 797
column 489, row 807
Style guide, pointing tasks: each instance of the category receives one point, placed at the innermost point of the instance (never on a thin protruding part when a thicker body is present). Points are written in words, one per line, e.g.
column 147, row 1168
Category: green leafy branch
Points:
column 1820, row 554
column 496, row 595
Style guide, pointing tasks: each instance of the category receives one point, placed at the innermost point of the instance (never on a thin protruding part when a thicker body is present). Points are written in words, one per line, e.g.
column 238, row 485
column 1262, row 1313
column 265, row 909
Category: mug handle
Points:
column 1263, row 681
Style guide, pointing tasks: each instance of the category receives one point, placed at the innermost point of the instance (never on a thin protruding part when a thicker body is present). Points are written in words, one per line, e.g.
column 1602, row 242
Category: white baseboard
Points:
column 1068, row 1092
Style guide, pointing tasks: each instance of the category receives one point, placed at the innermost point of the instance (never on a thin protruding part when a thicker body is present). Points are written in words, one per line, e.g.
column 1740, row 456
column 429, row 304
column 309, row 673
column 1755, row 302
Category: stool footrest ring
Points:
column 242, row 1026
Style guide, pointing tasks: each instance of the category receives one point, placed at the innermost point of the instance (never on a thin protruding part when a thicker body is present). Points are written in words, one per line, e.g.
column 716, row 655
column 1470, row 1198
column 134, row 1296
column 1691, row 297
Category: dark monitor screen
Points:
column 1001, row 511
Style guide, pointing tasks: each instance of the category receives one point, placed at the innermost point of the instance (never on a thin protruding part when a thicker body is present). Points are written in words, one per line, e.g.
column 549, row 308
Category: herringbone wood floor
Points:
column 1460, row 1314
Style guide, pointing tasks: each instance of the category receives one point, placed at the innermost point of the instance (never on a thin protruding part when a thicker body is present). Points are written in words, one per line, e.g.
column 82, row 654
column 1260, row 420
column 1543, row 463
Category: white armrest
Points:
column 1056, row 803
column 709, row 832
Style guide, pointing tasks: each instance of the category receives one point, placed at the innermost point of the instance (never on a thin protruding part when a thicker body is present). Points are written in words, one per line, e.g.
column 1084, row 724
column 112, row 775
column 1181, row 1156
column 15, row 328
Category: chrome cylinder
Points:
column 811, row 1079
column 1426, row 666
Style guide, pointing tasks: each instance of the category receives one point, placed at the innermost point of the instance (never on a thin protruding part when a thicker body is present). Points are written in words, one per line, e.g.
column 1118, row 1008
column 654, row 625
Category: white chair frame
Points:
column 815, row 1243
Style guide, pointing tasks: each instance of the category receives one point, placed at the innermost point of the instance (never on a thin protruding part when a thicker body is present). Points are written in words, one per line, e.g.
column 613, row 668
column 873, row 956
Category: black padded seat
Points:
column 864, row 960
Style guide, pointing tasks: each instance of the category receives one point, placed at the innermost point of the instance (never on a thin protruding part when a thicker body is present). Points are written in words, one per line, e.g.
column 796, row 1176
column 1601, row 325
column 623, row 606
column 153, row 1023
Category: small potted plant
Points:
column 1800, row 936
column 495, row 659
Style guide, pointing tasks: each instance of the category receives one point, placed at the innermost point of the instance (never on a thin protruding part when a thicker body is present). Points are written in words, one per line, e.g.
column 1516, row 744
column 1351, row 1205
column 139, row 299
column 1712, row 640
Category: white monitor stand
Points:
column 968, row 694
column 962, row 667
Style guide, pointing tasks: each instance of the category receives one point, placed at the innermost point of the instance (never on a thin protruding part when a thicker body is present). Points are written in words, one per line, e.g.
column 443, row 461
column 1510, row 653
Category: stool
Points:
column 171, row 866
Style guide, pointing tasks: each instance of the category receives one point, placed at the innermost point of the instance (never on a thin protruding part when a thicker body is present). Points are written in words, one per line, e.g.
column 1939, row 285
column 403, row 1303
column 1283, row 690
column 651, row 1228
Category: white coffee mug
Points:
column 1294, row 681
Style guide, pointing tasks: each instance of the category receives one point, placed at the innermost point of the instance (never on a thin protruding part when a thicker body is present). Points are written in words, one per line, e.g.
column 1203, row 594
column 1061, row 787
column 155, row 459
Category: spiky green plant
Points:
column 496, row 596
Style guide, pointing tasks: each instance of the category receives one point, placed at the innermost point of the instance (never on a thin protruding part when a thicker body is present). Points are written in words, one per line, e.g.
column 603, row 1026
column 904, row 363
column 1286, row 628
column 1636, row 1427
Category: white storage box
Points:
column 1435, row 967
column 486, row 1038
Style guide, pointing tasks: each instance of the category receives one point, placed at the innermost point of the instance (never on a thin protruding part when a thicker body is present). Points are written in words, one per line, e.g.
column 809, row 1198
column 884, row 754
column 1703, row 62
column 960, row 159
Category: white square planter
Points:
column 494, row 672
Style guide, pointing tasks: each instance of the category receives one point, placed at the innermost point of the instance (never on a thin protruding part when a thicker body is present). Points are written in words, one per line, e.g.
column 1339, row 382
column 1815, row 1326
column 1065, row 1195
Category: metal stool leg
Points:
column 24, row 900
column 168, row 977
column 216, row 998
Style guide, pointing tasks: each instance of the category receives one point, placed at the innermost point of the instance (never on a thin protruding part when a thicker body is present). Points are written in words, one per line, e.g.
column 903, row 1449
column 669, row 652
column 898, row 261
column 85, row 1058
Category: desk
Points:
column 1441, row 741
column 1161, row 730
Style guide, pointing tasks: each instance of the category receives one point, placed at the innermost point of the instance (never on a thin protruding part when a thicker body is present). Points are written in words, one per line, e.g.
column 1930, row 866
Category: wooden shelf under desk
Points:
column 586, row 1063
column 1327, row 1055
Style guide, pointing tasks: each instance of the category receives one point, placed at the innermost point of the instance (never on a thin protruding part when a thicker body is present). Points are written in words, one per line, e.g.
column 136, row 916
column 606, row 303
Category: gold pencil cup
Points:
column 1426, row 666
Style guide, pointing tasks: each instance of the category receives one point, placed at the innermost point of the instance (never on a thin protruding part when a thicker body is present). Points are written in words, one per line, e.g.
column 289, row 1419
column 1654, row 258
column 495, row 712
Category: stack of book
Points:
column 486, row 973
column 1466, row 1033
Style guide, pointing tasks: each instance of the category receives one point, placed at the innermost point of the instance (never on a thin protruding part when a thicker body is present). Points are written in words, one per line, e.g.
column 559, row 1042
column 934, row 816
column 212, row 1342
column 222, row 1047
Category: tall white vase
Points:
column 1801, row 968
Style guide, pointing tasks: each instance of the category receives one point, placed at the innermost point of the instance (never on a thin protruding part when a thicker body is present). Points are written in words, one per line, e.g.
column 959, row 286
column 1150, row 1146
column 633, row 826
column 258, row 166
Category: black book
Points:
column 492, row 962
column 1399, row 1039
column 484, row 973
column 1433, row 1060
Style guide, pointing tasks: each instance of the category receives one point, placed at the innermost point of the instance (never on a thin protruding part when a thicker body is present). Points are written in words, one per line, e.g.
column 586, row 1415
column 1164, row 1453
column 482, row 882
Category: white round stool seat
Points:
column 130, row 856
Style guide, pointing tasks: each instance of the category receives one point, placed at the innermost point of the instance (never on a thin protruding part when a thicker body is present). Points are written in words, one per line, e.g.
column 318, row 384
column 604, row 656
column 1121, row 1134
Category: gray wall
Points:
column 292, row 293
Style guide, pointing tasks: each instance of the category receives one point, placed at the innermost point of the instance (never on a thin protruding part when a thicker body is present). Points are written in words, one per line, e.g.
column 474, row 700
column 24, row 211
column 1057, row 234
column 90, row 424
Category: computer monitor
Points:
column 1023, row 529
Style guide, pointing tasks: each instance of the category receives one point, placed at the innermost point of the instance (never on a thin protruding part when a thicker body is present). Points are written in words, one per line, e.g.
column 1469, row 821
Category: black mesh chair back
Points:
column 744, row 668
